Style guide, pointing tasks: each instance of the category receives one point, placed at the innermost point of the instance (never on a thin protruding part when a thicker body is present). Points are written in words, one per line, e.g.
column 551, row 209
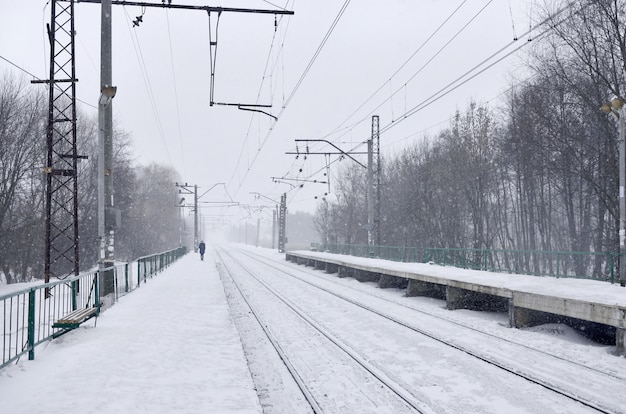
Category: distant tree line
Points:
column 538, row 173
column 146, row 195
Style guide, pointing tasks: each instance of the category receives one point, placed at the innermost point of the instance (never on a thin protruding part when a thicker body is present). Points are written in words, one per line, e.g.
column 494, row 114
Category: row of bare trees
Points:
column 146, row 195
column 539, row 173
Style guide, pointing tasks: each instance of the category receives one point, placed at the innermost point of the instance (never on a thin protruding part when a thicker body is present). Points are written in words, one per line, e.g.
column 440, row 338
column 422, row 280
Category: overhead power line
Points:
column 147, row 84
column 419, row 48
column 18, row 67
column 428, row 62
column 479, row 68
column 471, row 74
column 180, row 129
column 317, row 53
column 295, row 89
column 267, row 64
column 39, row 79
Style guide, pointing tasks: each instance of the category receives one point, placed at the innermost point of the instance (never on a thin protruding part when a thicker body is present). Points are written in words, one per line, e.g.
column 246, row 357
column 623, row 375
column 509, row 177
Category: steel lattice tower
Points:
column 373, row 185
column 61, row 255
column 282, row 224
column 376, row 173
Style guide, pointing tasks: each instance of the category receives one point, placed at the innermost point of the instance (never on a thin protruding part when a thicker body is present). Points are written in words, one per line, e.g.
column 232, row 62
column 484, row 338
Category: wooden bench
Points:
column 74, row 319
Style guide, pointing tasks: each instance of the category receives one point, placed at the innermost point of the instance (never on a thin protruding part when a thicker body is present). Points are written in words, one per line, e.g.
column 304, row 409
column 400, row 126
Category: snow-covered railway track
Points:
column 549, row 379
column 287, row 269
column 313, row 358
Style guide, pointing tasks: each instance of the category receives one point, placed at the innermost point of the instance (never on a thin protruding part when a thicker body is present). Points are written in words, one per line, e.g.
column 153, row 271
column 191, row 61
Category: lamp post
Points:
column 108, row 217
column 104, row 174
column 616, row 110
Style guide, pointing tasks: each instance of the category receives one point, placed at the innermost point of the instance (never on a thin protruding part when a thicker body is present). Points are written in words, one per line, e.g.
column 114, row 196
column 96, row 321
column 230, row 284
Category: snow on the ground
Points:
column 169, row 346
column 558, row 340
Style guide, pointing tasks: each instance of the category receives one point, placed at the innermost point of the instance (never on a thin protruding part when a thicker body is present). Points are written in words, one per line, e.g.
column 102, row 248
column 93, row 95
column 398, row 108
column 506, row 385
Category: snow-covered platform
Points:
column 168, row 347
column 529, row 300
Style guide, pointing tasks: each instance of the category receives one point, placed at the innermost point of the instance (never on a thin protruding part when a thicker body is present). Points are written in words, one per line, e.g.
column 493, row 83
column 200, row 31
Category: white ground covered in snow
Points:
column 172, row 346
column 168, row 347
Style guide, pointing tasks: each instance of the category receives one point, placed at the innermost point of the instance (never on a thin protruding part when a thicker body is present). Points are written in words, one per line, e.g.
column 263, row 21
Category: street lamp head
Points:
column 109, row 91
column 617, row 103
column 106, row 94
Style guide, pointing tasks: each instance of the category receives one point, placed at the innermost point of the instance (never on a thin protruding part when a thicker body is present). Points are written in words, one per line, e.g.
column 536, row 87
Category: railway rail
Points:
column 281, row 266
column 387, row 392
column 545, row 380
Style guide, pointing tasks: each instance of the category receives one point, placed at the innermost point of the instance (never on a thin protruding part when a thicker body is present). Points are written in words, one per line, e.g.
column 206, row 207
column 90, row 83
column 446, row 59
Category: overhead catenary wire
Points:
column 478, row 69
column 527, row 33
column 402, row 66
column 176, row 101
column 295, row 89
column 18, row 67
column 447, row 120
column 405, row 83
column 39, row 79
column 148, row 85
column 471, row 73
column 247, row 137
column 426, row 64
column 468, row 75
column 316, row 54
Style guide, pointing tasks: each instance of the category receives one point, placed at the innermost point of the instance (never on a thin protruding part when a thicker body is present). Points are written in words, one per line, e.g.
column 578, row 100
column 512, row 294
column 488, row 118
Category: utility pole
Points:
column 376, row 173
column 181, row 221
column 282, row 224
column 373, row 186
column 370, row 191
column 195, row 218
column 108, row 217
column 186, row 189
column 373, row 177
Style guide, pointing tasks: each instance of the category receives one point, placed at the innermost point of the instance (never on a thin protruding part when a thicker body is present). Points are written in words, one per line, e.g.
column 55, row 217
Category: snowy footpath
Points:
column 169, row 346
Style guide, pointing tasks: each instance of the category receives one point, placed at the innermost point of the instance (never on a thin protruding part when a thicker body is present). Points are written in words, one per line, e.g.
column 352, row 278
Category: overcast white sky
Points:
column 209, row 145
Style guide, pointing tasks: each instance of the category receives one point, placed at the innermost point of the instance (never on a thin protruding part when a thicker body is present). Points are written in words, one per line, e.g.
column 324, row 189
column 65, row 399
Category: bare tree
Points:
column 21, row 157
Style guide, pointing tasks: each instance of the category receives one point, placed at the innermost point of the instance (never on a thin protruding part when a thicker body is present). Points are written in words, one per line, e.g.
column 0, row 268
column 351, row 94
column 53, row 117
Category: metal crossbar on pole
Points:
column 164, row 5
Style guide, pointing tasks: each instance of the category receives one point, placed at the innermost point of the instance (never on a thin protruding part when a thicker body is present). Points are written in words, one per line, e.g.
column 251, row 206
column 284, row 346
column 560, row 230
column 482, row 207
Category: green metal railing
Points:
column 586, row 265
column 28, row 315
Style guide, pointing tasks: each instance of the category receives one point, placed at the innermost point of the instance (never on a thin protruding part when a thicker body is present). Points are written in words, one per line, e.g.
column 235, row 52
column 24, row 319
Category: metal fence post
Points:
column 97, row 292
column 484, row 267
column 126, row 277
column 73, row 289
column 31, row 324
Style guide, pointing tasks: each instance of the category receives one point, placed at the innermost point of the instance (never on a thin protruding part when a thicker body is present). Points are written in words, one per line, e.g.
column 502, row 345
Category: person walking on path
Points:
column 202, row 248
